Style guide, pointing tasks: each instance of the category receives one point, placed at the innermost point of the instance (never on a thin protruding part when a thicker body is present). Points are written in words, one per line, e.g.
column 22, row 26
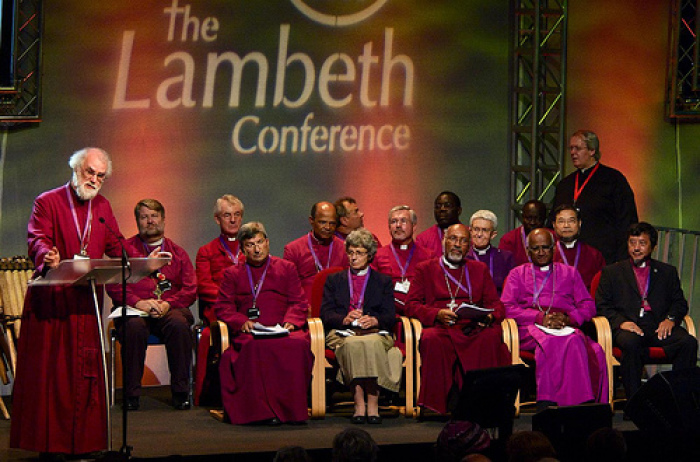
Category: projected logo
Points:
column 338, row 13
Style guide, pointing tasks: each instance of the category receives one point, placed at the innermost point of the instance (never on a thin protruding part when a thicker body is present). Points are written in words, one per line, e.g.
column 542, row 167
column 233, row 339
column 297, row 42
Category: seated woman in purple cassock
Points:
column 358, row 314
column 549, row 301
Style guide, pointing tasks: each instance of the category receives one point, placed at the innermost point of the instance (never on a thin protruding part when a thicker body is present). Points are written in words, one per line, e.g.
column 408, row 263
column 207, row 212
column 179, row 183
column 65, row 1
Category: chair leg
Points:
column 3, row 409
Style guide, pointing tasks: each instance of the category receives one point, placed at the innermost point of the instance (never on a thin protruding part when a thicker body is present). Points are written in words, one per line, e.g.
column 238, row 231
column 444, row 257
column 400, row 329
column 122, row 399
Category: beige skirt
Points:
column 367, row 356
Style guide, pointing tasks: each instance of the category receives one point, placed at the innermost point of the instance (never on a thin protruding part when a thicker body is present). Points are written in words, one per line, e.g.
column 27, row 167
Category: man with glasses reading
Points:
column 264, row 380
column 456, row 301
column 549, row 301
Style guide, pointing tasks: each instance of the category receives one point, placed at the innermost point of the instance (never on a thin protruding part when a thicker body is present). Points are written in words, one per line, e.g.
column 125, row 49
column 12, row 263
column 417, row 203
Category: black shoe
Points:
column 274, row 422
column 374, row 419
column 358, row 419
column 132, row 403
column 181, row 401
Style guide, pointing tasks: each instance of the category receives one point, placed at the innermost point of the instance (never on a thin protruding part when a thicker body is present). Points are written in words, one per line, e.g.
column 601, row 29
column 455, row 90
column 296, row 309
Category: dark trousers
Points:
column 680, row 347
column 173, row 329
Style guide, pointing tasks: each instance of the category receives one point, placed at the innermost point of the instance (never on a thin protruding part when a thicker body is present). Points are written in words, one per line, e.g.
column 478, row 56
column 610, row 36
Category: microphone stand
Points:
column 125, row 450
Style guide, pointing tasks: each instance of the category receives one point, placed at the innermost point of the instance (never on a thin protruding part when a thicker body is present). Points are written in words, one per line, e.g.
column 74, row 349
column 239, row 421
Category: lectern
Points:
column 100, row 271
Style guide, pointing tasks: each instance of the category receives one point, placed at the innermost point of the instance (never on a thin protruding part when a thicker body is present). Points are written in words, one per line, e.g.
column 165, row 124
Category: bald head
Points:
column 540, row 246
column 323, row 220
column 455, row 243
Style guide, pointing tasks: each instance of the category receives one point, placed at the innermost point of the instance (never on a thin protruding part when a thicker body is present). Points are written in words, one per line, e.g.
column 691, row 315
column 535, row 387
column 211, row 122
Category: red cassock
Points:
column 59, row 391
column 298, row 252
column 264, row 378
column 212, row 259
column 588, row 260
column 385, row 261
column 431, row 240
column 441, row 346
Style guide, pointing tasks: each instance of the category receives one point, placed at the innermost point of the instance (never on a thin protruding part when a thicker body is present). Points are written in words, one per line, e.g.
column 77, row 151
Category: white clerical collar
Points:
column 570, row 245
column 583, row 170
column 231, row 239
column 156, row 243
column 544, row 268
column 361, row 272
column 448, row 263
column 402, row 246
column 482, row 251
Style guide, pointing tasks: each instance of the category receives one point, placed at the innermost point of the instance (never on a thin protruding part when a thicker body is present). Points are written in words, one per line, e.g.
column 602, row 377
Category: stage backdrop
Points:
column 280, row 102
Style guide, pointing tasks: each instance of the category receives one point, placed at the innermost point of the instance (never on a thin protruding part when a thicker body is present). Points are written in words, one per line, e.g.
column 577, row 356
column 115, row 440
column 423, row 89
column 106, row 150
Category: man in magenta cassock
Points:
column 483, row 227
column 264, row 380
column 447, row 210
column 400, row 258
column 570, row 250
column 59, row 391
column 533, row 215
column 165, row 296
column 319, row 248
column 451, row 345
column 220, row 253
column 570, row 369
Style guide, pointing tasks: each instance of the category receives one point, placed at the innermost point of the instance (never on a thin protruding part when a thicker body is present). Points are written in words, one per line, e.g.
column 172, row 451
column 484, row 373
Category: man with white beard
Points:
column 59, row 392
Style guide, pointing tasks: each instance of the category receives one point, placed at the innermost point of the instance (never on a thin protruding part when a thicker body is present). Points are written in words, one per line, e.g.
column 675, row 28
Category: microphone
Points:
column 120, row 238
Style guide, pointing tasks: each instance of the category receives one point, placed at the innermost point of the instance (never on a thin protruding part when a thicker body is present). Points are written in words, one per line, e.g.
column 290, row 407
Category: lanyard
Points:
column 459, row 284
column 563, row 255
column 319, row 267
column 147, row 247
column 536, row 292
column 361, row 299
column 476, row 256
column 84, row 237
column 228, row 250
column 577, row 190
column 398, row 261
column 256, row 288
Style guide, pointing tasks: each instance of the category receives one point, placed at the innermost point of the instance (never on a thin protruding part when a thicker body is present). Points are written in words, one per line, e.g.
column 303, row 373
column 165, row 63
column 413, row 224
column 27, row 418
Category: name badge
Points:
column 78, row 256
column 402, row 286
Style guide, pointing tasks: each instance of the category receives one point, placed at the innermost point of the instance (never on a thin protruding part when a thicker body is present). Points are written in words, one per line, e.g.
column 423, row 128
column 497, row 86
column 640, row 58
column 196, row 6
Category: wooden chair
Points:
column 325, row 358
column 15, row 273
column 613, row 354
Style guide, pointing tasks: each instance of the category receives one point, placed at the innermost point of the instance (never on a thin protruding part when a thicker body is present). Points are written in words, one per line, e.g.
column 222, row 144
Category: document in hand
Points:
column 567, row 330
column 467, row 311
column 130, row 311
column 268, row 331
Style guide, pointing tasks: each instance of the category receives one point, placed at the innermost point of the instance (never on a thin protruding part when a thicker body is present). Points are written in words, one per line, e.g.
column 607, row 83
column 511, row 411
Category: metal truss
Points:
column 682, row 79
column 23, row 102
column 537, row 100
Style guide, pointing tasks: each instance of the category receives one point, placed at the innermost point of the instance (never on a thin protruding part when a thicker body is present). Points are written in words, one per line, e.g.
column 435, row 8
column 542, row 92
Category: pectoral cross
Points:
column 158, row 292
column 452, row 305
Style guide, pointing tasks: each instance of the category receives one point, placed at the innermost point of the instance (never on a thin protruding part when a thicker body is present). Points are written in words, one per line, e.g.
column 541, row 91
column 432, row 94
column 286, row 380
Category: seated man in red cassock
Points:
column 264, row 379
column 448, row 208
column 319, row 249
column 533, row 215
column 165, row 297
column 400, row 258
column 455, row 338
column 350, row 218
column 222, row 252
column 570, row 250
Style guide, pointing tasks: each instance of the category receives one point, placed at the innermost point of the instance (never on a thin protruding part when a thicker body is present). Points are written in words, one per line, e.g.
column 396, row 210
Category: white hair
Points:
column 485, row 215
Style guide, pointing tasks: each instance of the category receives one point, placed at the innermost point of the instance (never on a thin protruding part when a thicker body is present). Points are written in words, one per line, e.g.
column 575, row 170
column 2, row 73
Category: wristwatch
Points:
column 671, row 318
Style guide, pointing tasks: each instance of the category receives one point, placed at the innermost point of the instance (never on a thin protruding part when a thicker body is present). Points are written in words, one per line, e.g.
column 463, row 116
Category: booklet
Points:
column 567, row 330
column 130, row 311
column 468, row 311
column 352, row 332
column 268, row 331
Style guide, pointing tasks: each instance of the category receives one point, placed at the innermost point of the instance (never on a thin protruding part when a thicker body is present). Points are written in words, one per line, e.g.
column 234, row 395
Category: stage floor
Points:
column 158, row 431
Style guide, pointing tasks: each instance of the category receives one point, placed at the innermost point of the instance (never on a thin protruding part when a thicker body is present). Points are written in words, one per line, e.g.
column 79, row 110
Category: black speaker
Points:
column 568, row 427
column 488, row 397
column 669, row 403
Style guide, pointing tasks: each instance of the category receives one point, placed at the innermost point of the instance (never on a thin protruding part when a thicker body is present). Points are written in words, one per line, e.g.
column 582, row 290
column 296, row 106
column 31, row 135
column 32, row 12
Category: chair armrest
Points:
column 219, row 339
column 318, row 379
column 689, row 325
column 511, row 338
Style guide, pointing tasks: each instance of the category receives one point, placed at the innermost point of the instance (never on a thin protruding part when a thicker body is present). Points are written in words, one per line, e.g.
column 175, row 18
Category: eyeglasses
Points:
column 89, row 173
column 458, row 241
column 476, row 230
column 537, row 248
column 250, row 245
column 356, row 253
column 227, row 216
